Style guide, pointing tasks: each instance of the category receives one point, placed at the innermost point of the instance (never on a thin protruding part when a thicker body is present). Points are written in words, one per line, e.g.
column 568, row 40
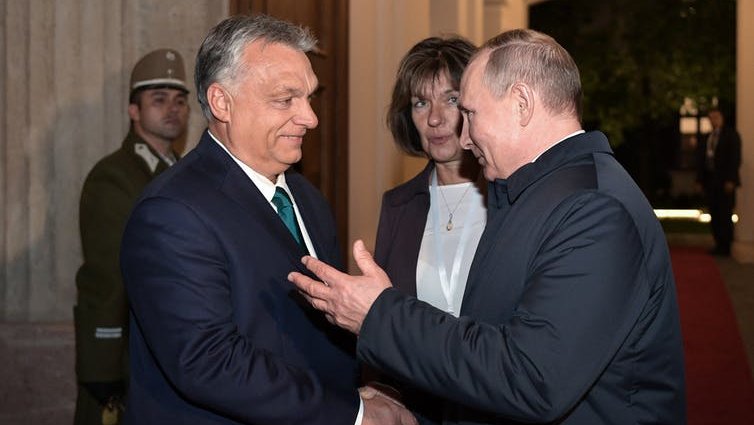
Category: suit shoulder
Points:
column 120, row 169
column 119, row 160
column 404, row 192
column 184, row 179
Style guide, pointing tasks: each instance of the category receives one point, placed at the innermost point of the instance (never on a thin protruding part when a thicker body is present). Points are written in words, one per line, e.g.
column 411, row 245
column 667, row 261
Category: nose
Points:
column 435, row 117
column 465, row 138
column 306, row 116
column 175, row 105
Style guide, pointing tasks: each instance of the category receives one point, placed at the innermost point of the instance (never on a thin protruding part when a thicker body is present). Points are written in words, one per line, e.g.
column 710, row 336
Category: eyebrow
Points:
column 449, row 91
column 294, row 91
column 283, row 91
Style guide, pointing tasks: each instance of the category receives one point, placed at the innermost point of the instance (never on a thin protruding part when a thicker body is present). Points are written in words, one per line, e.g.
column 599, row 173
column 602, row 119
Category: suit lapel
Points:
column 237, row 186
column 308, row 214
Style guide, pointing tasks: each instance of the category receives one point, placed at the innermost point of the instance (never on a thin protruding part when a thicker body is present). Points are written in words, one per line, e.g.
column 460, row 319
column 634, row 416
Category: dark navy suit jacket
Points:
column 570, row 312
column 218, row 334
column 403, row 217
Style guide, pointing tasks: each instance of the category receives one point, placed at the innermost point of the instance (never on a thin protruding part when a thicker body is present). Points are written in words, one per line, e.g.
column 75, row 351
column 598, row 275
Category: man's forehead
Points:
column 280, row 67
column 263, row 52
column 469, row 82
column 475, row 67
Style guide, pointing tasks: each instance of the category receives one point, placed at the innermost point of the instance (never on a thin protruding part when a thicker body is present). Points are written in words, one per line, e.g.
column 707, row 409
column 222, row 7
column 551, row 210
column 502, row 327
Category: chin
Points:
column 294, row 158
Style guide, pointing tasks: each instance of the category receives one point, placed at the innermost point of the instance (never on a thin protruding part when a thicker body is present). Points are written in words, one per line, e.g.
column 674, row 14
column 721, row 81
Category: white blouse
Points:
column 449, row 244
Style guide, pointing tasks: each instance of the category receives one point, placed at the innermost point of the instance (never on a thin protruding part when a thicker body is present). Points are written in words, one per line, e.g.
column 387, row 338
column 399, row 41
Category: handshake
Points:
column 380, row 408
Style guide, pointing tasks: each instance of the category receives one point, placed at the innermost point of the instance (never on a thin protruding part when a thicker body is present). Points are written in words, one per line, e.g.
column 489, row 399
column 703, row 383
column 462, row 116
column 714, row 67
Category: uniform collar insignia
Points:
column 142, row 150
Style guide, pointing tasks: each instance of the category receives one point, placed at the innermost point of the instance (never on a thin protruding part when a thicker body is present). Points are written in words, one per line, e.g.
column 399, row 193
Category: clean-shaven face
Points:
column 488, row 123
column 480, row 116
column 270, row 111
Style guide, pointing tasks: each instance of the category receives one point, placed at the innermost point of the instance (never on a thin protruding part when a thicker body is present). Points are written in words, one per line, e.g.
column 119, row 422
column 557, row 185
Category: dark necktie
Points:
column 288, row 215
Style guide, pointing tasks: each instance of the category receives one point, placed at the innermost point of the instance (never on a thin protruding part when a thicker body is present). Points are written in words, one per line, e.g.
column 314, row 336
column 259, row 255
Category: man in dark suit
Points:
column 570, row 313
column 718, row 161
column 218, row 335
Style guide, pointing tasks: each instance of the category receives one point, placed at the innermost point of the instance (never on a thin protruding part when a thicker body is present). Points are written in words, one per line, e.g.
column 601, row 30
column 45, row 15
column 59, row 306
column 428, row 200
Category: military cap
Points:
column 160, row 68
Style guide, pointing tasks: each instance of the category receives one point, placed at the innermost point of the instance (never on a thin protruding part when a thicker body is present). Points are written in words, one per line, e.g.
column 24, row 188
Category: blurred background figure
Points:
column 718, row 161
column 159, row 112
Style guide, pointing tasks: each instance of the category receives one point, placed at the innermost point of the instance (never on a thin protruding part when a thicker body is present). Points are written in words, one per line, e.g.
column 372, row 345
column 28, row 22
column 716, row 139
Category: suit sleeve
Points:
column 176, row 276
column 583, row 293
column 101, row 313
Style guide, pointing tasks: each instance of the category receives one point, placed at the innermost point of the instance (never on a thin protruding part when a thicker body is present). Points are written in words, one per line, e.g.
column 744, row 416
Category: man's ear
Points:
column 523, row 97
column 133, row 111
column 220, row 102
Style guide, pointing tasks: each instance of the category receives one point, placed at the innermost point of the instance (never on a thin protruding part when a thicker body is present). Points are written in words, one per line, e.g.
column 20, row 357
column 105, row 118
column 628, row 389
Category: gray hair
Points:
column 219, row 57
column 538, row 60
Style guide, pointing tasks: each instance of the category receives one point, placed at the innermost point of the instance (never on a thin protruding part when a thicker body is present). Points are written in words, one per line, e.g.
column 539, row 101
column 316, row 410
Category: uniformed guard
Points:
column 158, row 109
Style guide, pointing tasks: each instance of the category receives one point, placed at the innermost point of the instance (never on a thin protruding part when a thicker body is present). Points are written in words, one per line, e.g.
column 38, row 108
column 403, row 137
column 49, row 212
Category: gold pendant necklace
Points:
column 449, row 224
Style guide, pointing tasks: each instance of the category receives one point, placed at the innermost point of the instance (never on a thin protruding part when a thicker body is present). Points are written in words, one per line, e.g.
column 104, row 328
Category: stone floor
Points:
column 36, row 360
column 36, row 374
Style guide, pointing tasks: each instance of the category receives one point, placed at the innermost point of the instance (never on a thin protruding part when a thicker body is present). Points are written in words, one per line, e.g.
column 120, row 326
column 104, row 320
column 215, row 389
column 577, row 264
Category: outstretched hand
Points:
column 344, row 299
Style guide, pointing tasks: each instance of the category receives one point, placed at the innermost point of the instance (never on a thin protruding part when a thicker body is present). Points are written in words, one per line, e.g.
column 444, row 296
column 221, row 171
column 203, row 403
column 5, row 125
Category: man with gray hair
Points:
column 219, row 336
column 570, row 312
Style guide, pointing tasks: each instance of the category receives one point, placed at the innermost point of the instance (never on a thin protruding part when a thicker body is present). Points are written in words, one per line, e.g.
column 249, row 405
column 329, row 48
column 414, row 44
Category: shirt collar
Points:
column 265, row 186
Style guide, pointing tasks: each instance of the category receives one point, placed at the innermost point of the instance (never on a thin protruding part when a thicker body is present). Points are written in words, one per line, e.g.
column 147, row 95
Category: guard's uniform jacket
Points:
column 101, row 314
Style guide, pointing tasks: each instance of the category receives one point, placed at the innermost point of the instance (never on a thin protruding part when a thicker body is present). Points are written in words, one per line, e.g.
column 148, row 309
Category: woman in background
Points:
column 430, row 226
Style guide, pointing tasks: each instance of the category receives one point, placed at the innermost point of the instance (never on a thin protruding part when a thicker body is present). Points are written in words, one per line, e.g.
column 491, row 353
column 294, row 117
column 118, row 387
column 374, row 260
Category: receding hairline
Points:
column 261, row 57
column 474, row 62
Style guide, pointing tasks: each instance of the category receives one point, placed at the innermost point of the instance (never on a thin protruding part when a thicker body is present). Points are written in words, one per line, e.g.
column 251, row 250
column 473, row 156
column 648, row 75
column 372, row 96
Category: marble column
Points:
column 63, row 85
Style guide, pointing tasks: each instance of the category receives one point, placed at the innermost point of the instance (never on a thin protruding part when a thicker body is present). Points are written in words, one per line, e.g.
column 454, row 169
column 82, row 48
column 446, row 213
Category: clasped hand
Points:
column 381, row 409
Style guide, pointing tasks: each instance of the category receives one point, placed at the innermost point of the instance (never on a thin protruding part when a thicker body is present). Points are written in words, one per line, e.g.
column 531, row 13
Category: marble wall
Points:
column 64, row 70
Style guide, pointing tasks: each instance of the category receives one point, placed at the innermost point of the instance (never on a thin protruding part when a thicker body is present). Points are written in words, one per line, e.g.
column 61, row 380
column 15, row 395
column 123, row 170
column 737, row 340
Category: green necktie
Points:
column 286, row 212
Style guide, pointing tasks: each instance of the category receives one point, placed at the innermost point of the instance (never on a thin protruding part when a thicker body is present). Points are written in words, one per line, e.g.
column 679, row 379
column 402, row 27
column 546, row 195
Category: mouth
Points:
column 294, row 137
column 438, row 140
